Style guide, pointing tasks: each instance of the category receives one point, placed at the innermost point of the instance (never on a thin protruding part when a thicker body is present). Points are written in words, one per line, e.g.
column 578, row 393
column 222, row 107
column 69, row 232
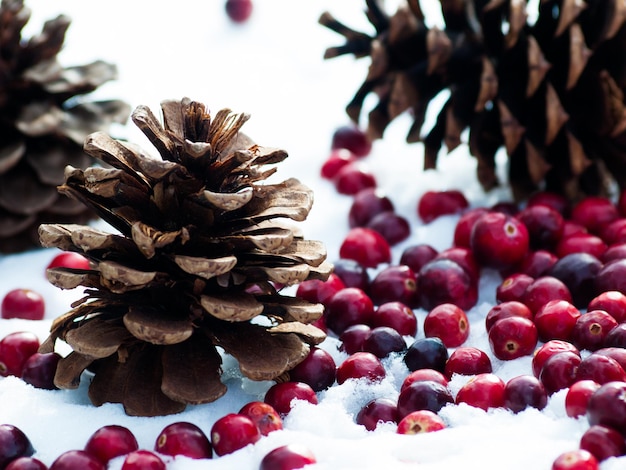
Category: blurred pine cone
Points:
column 43, row 124
column 550, row 91
column 202, row 249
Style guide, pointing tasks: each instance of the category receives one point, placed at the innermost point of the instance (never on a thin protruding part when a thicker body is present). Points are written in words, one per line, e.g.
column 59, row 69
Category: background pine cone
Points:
column 200, row 254
column 43, row 124
column 550, row 91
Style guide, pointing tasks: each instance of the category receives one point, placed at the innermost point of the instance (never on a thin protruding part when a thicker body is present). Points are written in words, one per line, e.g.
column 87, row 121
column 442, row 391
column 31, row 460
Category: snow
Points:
column 272, row 68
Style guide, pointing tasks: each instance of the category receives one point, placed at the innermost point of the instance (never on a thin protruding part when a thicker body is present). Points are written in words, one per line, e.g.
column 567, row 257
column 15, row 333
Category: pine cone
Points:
column 43, row 124
column 196, row 265
column 551, row 92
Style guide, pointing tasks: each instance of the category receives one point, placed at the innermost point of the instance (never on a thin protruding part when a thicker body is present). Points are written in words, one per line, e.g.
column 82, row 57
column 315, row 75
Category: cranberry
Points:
column 513, row 337
column 513, row 287
column 537, row 263
column 69, row 259
column 352, row 274
column 393, row 227
column 548, row 349
column 287, row 457
column 559, row 371
column 13, row 444
column 424, row 374
column 26, row 463
column 396, row 315
column 556, row 201
column 467, row 360
column 395, row 283
column 366, row 204
column 434, row 204
column 594, row 212
column 524, row 391
column 591, row 329
column 613, row 302
column 544, row 225
column 263, row 415
column 420, row 421
column 318, row 291
column 572, row 228
column 577, row 459
column 464, row 258
column 482, row 391
column 616, row 337
column 511, row 308
column 505, row 207
column 445, row 281
column 556, row 320
column 233, row 432
column 111, row 441
column 416, row 256
column 23, row 303
column 577, row 397
column 543, row 290
column 73, row 459
column 449, row 323
column 464, row 225
column 384, row 340
column 239, row 10
column 281, row 396
column 316, row 370
column 352, row 138
column 379, row 410
column 423, row 395
column 578, row 272
column 15, row 349
column 337, row 159
column 353, row 337
column 183, row 438
column 353, row 178
column 581, row 243
column 361, row 365
column 614, row 232
column 39, row 370
column 607, row 406
column 348, row 307
column 617, row 353
column 499, row 241
column 143, row 460
column 612, row 276
column 365, row 246
column 603, row 442
column 601, row 369
column 426, row 353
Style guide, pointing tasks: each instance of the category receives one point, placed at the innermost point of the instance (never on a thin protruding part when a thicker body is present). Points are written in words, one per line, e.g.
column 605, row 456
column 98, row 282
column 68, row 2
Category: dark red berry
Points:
column 39, row 370
column 537, row 263
column 423, row 395
column 395, row 283
column 591, row 329
column 544, row 225
column 556, row 320
column 449, row 323
column 464, row 258
column 482, row 391
column 393, row 227
column 499, row 241
column 577, row 459
column 111, row 441
column 524, row 391
column 384, row 340
column 467, row 360
column 352, row 138
column 513, row 287
column 376, row 411
column 543, row 290
column 27, row 463
column 613, row 302
column 434, row 204
column 424, row 374
column 578, row 272
column 603, row 442
column 513, row 337
column 337, row 159
column 444, row 281
column 559, row 371
column 396, row 315
column 350, row 306
column 366, row 204
column 318, row 291
column 601, row 369
column 13, row 444
column 282, row 396
column 263, row 415
column 511, row 308
column 577, row 397
column 288, row 457
column 464, row 226
column 352, row 274
column 75, row 459
column 416, row 256
column 353, row 337
column 239, row 10
column 365, row 246
column 548, row 349
column 183, row 438
column 233, row 432
column 426, row 353
column 143, row 460
column 15, row 349
column 23, row 303
column 594, row 212
column 353, row 178
column 581, row 243
column 361, row 365
column 607, row 406
column 316, row 370
column 556, row 201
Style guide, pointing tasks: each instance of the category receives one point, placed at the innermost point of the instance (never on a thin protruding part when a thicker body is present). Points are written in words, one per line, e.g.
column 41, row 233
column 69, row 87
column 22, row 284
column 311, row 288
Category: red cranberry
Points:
column 556, row 320
column 467, row 360
column 572, row 228
column 23, row 303
column 445, row 281
column 365, row 246
column 111, row 441
column 543, row 290
column 577, row 459
column 578, row 396
column 426, row 353
column 281, row 396
column 464, row 258
column 27, row 463
column 464, row 225
column 434, row 204
column 353, row 337
column 393, row 227
column 233, row 432
column 616, row 338
column 449, row 323
column 578, row 272
column 537, row 263
column 361, row 365
column 581, row 243
column 316, row 370
column 424, row 374
column 559, row 371
column 513, row 337
column 614, row 253
column 353, row 178
column 352, row 138
column 423, row 395
column 337, row 159
column 601, row 369
column 594, row 212
column 15, row 349
column 352, row 274
column 420, row 421
column 287, row 457
column 318, row 291
column 395, row 283
column 614, row 232
column 513, row 287
column 69, row 259
column 482, row 391
column 239, row 10
column 39, row 370
column 511, row 308
column 350, row 306
column 416, row 256
column 505, row 207
column 499, row 241
column 603, row 442
column 366, row 204
column 183, row 438
column 13, row 444
column 544, row 225
column 143, row 460
column 524, row 391
column 556, row 201
column 379, row 410
column 263, row 415
column 384, row 340
column 548, row 349
column 617, row 353
column 396, row 315
column 613, row 302
column 591, row 329
column 73, row 459
column 607, row 406
column 612, row 276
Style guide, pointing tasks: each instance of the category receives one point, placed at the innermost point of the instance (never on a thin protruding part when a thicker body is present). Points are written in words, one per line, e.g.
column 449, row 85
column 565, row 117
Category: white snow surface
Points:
column 272, row 68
